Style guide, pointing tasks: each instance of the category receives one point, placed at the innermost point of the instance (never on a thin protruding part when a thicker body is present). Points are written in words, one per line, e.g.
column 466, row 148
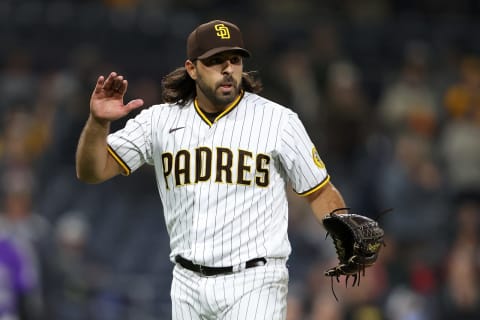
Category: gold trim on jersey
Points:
column 224, row 112
column 318, row 187
column 126, row 169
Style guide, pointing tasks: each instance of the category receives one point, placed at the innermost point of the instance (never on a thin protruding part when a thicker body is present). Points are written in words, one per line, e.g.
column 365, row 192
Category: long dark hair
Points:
column 179, row 88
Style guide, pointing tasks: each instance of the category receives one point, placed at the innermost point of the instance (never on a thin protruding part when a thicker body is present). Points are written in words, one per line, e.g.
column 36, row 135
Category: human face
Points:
column 218, row 79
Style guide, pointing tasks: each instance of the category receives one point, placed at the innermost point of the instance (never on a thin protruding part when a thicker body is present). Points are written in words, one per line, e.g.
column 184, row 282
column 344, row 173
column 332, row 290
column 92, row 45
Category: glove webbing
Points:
column 356, row 279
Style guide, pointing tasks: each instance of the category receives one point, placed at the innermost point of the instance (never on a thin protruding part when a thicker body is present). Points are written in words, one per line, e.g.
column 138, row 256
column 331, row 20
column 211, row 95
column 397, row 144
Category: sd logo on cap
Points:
column 214, row 37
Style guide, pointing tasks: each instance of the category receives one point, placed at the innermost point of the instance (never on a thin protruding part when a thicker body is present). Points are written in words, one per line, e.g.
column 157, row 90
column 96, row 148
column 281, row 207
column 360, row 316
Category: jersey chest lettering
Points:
column 222, row 165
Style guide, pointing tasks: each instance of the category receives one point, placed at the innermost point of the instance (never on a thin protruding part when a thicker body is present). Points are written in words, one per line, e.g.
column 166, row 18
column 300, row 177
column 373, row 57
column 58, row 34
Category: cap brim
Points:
column 245, row 53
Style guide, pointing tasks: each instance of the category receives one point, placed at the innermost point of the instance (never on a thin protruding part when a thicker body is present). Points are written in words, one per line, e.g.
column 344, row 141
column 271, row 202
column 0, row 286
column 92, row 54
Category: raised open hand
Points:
column 106, row 102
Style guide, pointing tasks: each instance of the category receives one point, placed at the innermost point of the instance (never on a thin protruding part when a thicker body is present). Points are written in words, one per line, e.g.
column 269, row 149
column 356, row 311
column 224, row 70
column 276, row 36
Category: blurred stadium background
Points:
column 389, row 90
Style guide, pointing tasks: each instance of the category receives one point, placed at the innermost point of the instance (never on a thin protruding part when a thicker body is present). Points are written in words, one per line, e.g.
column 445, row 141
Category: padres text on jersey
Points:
column 227, row 166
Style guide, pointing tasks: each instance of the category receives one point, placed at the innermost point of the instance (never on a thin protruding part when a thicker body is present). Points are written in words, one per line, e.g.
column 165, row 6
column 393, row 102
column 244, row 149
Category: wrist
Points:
column 98, row 122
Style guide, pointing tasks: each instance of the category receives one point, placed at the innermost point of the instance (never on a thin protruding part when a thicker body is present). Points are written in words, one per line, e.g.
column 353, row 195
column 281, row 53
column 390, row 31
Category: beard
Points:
column 218, row 98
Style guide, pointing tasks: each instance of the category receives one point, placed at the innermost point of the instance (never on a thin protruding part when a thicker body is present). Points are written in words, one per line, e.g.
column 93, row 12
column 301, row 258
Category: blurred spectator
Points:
column 22, row 235
column 462, row 98
column 324, row 308
column 412, row 183
column 25, row 135
column 368, row 11
column 460, row 149
column 16, row 137
column 462, row 294
column 345, row 122
column 325, row 47
column 404, row 304
column 459, row 140
column 17, row 81
column 19, row 220
column 295, row 307
column 72, row 276
column 18, row 213
column 20, row 291
column 298, row 80
column 345, row 111
column 410, row 102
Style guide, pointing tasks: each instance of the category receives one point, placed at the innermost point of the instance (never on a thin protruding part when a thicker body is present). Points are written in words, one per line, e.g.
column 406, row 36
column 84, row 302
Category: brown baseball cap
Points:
column 214, row 37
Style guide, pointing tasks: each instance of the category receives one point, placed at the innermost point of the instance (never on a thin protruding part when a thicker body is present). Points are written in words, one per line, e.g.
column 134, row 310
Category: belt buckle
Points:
column 201, row 269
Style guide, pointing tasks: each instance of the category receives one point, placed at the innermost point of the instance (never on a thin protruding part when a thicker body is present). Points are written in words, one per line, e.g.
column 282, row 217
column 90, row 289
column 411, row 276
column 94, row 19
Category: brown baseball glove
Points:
column 357, row 240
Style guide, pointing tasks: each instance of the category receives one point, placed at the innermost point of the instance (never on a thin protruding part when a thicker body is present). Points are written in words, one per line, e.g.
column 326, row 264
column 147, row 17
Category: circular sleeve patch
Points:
column 316, row 158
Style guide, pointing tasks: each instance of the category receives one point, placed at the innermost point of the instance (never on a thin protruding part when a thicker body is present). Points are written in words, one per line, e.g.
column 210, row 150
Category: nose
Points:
column 227, row 67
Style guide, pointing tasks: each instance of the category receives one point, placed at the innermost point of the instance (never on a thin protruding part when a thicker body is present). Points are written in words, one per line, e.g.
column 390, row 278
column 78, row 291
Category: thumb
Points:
column 134, row 104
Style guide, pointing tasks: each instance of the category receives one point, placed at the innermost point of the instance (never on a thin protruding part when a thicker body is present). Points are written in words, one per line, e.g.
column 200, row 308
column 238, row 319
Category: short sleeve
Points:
column 300, row 159
column 131, row 146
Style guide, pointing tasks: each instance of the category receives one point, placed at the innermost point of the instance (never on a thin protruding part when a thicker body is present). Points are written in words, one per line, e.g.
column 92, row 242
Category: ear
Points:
column 191, row 69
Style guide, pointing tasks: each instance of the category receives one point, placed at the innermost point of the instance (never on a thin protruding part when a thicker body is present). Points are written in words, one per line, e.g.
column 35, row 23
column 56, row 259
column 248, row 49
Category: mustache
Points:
column 227, row 80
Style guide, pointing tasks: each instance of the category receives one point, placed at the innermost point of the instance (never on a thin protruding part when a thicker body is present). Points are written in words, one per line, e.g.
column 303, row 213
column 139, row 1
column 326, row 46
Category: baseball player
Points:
column 223, row 156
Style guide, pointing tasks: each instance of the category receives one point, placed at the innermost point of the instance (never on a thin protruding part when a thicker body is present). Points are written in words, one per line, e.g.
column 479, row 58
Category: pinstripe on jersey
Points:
column 222, row 184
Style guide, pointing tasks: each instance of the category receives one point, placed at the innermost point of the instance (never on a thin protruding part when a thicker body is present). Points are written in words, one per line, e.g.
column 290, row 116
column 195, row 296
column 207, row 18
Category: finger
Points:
column 109, row 82
column 118, row 85
column 125, row 84
column 99, row 84
column 121, row 87
column 134, row 104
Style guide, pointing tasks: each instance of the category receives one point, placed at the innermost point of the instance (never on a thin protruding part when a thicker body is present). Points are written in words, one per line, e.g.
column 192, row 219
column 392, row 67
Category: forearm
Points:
column 92, row 155
column 326, row 200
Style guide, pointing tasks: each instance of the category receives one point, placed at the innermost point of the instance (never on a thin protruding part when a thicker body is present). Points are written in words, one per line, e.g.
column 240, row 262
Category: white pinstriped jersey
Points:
column 223, row 184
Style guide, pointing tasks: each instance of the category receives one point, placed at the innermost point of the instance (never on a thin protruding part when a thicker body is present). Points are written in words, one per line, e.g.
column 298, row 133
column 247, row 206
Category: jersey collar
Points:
column 226, row 111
